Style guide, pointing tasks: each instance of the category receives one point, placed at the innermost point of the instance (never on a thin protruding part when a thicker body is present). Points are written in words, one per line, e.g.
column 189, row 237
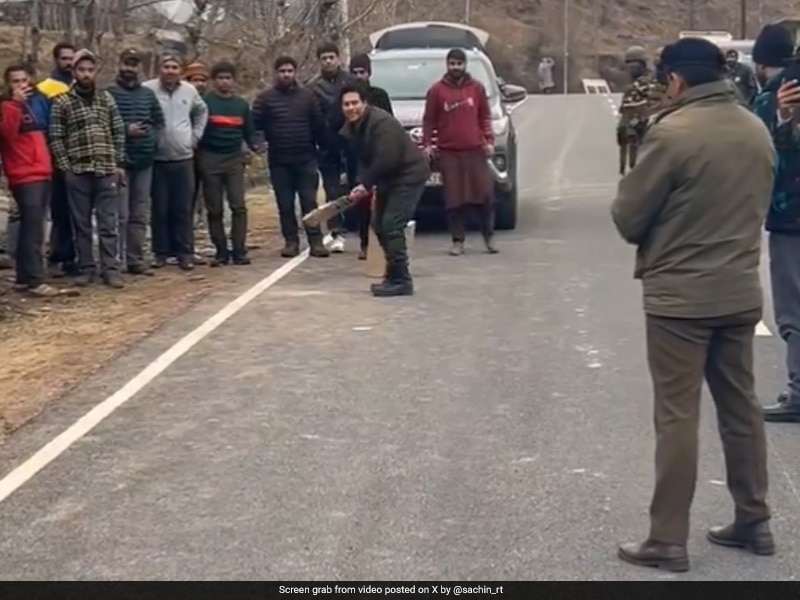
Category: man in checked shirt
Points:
column 87, row 138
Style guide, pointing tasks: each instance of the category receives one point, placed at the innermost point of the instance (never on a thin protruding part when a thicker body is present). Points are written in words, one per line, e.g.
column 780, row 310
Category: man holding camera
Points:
column 142, row 115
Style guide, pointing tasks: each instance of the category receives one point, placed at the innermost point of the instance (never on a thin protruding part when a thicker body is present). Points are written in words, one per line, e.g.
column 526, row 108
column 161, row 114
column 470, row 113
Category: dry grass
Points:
column 48, row 346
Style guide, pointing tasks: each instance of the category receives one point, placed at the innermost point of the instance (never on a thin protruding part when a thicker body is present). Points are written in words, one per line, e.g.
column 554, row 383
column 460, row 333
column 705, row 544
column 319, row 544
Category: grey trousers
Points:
column 94, row 195
column 134, row 213
column 12, row 229
column 784, row 268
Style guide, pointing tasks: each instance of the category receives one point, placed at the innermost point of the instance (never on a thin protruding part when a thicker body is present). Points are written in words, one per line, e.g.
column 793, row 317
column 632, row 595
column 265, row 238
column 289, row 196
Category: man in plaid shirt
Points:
column 87, row 138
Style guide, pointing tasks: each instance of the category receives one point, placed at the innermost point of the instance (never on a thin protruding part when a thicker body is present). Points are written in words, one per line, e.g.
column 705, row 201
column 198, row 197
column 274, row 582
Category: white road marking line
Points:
column 56, row 447
column 762, row 330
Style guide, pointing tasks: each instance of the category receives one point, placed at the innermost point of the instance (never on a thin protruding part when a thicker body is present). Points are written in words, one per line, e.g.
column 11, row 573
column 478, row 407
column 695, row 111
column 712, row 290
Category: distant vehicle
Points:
column 408, row 59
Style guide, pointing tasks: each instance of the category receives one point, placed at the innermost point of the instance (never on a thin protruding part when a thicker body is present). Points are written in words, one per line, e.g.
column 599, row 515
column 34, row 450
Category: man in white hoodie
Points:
column 185, row 116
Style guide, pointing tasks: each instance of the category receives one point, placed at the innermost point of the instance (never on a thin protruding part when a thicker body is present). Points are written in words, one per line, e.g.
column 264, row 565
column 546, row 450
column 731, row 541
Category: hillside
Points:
column 523, row 31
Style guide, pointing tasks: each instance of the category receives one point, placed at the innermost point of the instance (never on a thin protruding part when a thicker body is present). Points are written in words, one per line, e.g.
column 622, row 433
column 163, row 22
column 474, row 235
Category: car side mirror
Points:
column 513, row 93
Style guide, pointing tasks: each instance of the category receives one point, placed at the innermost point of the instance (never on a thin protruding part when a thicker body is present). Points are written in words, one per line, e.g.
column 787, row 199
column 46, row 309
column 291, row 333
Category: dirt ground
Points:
column 48, row 346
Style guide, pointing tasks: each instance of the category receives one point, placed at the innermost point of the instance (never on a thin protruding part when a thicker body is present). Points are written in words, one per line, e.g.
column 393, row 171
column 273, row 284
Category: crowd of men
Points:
column 154, row 153
column 719, row 160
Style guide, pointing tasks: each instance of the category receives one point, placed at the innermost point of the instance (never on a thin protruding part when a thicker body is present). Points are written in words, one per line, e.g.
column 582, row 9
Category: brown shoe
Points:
column 669, row 557
column 753, row 537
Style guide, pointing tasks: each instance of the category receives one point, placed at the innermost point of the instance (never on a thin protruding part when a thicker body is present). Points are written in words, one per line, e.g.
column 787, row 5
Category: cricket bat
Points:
column 328, row 210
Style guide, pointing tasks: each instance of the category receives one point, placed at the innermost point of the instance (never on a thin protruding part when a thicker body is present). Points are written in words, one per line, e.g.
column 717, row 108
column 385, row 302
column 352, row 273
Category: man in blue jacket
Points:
column 141, row 112
column 776, row 104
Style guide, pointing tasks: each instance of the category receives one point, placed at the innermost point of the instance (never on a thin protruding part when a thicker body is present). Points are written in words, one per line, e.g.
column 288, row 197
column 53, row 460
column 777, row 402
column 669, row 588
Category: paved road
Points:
column 495, row 426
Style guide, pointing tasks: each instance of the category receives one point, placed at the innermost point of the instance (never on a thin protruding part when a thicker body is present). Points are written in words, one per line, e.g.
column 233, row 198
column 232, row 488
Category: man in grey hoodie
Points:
column 185, row 116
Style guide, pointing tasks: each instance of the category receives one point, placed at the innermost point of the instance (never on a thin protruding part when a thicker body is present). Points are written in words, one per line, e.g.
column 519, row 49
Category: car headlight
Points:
column 500, row 126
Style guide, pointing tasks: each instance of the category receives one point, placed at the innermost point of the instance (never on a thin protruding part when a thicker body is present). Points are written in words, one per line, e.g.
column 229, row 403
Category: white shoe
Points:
column 337, row 245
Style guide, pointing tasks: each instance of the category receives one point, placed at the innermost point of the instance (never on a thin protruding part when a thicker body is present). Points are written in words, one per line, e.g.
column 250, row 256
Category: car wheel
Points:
column 505, row 218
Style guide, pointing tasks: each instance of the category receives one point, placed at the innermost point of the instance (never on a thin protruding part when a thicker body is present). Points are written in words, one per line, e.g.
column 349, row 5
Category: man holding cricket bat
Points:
column 391, row 166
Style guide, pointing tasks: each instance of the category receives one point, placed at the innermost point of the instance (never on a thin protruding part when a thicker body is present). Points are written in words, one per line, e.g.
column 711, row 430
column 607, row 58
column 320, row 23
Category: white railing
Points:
column 596, row 86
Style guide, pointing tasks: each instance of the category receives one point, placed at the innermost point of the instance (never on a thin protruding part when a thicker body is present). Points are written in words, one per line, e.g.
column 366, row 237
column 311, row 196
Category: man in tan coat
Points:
column 694, row 206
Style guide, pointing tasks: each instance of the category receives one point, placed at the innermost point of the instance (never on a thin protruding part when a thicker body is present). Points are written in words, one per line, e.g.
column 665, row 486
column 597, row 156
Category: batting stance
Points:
column 391, row 165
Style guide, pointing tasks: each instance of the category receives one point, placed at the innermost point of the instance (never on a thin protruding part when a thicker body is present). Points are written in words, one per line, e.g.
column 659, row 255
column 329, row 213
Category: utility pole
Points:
column 691, row 15
column 565, row 68
column 743, row 18
column 344, row 18
column 466, row 11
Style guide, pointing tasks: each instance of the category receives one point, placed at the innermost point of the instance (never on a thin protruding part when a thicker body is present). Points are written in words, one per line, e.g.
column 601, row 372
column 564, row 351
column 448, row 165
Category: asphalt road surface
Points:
column 498, row 425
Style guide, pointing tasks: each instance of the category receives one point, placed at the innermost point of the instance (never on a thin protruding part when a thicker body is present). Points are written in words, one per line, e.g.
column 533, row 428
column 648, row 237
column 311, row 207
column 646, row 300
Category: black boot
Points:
column 399, row 283
column 387, row 275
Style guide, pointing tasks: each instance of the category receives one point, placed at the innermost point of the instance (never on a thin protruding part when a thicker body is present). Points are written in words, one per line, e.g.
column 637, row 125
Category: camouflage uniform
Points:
column 639, row 102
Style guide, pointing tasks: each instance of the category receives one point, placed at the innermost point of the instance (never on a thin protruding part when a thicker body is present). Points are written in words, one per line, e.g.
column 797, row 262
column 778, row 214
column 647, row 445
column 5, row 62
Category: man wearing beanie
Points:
column 694, row 205
column 361, row 70
column 288, row 116
column 327, row 89
column 776, row 105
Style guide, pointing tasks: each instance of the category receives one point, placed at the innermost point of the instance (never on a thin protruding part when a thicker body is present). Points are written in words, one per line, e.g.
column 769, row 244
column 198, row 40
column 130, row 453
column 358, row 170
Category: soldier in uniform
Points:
column 638, row 102
column 742, row 77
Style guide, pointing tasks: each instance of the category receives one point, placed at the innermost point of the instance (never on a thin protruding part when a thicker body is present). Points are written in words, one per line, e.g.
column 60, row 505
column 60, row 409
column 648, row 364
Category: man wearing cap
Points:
column 776, row 104
column 87, row 139
column 742, row 76
column 142, row 115
column 639, row 101
column 457, row 109
column 361, row 70
column 198, row 75
column 694, row 205
column 185, row 116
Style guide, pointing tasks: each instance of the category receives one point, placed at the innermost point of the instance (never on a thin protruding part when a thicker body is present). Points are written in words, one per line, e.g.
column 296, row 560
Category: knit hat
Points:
column 170, row 57
column 773, row 47
column 361, row 61
column 196, row 69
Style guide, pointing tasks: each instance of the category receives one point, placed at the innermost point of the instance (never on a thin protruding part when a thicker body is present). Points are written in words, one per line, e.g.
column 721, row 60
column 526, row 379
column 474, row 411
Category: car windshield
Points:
column 411, row 78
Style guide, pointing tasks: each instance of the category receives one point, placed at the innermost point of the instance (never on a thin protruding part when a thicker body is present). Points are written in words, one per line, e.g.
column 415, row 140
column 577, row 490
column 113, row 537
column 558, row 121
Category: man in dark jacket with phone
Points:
column 327, row 90
column 142, row 115
column 776, row 104
column 391, row 165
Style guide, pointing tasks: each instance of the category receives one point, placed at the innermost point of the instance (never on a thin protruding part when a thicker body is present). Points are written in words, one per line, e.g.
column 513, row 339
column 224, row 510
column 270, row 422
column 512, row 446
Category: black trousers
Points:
column 62, row 230
column 32, row 200
column 395, row 208
column 290, row 181
column 172, row 217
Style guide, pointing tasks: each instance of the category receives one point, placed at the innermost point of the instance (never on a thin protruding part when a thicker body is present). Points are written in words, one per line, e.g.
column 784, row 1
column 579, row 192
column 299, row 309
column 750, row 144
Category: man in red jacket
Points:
column 457, row 110
column 29, row 170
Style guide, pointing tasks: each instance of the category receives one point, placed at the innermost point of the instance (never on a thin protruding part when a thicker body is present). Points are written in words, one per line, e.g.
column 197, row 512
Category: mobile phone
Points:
column 792, row 72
